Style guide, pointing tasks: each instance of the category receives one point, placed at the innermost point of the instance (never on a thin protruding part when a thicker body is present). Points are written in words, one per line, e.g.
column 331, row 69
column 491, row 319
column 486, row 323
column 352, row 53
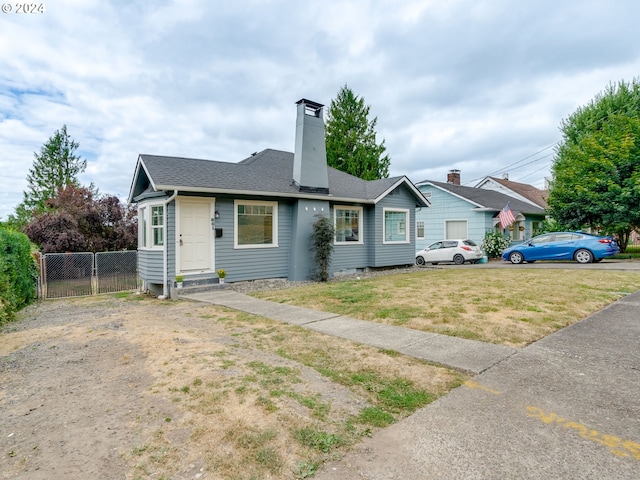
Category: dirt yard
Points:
column 128, row 388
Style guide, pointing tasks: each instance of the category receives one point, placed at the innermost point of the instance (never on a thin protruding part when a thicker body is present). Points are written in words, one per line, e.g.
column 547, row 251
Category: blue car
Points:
column 581, row 247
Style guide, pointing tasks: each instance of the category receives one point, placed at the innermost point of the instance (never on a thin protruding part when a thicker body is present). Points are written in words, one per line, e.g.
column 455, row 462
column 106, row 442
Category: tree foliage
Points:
column 351, row 138
column 18, row 273
column 78, row 220
column 596, row 172
column 55, row 167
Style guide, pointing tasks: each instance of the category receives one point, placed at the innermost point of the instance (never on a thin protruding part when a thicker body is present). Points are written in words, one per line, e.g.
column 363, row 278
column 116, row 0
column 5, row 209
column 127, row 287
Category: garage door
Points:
column 456, row 229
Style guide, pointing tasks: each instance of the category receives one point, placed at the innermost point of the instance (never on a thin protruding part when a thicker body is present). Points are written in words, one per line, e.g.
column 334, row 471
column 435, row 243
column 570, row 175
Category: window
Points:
column 395, row 226
column 157, row 226
column 256, row 224
column 420, row 228
column 142, row 227
column 151, row 226
column 348, row 224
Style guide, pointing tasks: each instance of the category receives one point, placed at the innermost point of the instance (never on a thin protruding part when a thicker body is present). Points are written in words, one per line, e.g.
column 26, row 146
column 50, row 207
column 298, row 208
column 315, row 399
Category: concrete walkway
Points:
column 458, row 353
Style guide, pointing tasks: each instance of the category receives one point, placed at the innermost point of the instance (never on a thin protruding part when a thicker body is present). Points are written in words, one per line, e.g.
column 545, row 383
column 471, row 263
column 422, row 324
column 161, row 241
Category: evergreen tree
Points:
column 351, row 138
column 54, row 168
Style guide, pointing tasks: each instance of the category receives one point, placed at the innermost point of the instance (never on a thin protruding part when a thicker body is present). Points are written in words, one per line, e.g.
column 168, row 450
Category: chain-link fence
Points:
column 116, row 271
column 80, row 274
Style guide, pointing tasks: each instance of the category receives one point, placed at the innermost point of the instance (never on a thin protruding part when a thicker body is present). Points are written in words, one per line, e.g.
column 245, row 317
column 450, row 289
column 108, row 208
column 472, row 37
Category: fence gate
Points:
column 80, row 274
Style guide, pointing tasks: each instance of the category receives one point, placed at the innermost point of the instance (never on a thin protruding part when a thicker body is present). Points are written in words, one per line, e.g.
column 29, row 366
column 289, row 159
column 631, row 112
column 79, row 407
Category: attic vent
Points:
column 426, row 194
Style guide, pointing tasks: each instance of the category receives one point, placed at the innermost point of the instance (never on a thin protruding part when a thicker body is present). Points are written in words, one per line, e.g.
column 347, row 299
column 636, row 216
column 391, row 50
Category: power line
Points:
column 516, row 163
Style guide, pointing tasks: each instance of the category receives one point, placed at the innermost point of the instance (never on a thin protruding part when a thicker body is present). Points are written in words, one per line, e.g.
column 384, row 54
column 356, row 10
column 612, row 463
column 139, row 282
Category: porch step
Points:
column 198, row 288
column 197, row 285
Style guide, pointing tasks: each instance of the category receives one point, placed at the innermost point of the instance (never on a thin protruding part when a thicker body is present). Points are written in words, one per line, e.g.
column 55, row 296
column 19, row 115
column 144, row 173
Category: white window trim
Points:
column 447, row 220
column 147, row 211
column 406, row 227
column 274, row 244
column 360, row 211
column 423, row 229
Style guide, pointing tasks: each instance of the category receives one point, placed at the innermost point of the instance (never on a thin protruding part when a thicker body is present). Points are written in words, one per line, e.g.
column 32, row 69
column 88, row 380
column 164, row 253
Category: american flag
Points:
column 506, row 216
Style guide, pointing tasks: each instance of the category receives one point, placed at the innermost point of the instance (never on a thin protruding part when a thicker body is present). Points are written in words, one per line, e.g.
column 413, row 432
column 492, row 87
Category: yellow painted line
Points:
column 616, row 445
column 475, row 385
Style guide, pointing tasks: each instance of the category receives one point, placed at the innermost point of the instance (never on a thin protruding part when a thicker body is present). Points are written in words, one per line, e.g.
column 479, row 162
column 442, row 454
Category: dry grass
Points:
column 242, row 397
column 500, row 306
column 260, row 399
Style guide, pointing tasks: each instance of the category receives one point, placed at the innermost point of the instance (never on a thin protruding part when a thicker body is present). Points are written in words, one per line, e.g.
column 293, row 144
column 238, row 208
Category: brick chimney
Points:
column 310, row 155
column 453, row 177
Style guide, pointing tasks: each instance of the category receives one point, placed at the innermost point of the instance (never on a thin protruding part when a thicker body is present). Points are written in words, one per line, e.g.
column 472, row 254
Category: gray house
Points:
column 467, row 212
column 254, row 218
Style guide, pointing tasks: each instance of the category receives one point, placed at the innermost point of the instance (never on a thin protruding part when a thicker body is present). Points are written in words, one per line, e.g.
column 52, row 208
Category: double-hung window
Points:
column 395, row 226
column 347, row 224
column 256, row 224
column 420, row 229
column 157, row 226
column 151, row 226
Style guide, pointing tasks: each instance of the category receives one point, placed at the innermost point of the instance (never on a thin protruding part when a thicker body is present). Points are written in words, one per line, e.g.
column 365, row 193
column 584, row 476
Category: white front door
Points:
column 194, row 235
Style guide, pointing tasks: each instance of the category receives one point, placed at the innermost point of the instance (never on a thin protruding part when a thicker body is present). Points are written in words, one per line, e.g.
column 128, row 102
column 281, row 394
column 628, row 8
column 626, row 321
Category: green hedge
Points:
column 18, row 274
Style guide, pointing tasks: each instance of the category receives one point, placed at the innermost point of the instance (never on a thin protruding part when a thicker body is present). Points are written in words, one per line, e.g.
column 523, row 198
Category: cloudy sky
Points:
column 479, row 86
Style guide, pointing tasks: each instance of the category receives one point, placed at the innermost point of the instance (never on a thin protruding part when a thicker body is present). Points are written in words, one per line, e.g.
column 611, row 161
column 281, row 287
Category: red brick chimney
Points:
column 453, row 177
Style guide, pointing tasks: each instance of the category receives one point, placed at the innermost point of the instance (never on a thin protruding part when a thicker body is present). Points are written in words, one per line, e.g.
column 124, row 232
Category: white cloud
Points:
column 473, row 85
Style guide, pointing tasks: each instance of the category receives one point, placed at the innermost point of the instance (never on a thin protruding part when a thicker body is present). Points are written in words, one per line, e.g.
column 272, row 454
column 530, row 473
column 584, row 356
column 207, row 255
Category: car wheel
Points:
column 516, row 258
column 583, row 256
column 420, row 260
column 458, row 259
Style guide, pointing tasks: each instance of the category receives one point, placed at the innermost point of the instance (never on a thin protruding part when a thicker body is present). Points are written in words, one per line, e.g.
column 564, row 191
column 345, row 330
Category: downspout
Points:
column 165, row 269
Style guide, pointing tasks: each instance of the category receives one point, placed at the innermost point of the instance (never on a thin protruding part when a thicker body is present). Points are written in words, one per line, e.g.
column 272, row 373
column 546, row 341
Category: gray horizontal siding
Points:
column 356, row 256
column 386, row 255
column 150, row 266
column 252, row 263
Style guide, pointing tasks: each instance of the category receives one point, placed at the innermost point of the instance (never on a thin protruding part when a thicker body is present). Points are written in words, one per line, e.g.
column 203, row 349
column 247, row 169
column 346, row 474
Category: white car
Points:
column 456, row 251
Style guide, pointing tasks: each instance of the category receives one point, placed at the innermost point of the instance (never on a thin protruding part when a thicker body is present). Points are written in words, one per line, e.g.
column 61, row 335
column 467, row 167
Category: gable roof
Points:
column 268, row 173
column 486, row 199
column 529, row 192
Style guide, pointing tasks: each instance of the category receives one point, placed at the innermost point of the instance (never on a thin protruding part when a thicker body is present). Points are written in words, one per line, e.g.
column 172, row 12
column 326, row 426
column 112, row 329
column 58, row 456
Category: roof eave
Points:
column 417, row 193
column 256, row 193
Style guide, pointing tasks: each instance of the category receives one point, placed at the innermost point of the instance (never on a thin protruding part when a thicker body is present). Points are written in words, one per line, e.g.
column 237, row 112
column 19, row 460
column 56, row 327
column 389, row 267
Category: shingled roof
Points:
column 537, row 196
column 488, row 199
column 268, row 173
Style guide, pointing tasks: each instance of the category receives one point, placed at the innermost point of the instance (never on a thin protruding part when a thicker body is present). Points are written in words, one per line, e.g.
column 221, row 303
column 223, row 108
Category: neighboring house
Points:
column 254, row 218
column 521, row 191
column 467, row 212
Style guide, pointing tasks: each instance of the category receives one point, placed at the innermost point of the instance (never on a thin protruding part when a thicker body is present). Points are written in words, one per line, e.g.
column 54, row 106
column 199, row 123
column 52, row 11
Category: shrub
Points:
column 322, row 239
column 18, row 274
column 494, row 243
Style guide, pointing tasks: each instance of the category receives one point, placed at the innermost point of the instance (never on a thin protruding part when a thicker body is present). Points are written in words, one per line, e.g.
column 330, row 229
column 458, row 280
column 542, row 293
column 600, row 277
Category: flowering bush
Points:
column 494, row 243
